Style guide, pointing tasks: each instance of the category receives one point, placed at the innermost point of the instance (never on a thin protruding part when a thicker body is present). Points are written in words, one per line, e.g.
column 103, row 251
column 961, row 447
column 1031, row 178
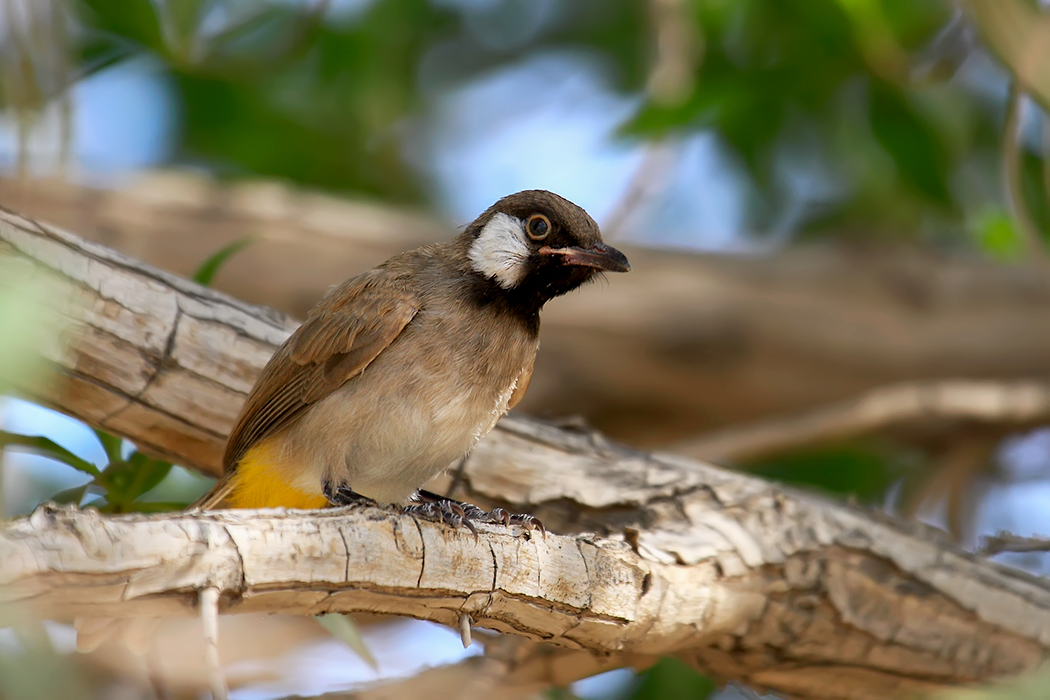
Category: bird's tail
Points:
column 217, row 498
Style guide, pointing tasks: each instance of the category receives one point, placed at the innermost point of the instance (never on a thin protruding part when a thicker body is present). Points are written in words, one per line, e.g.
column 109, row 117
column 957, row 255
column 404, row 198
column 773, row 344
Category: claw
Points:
column 457, row 513
column 470, row 526
column 443, row 513
column 529, row 522
column 499, row 515
column 342, row 495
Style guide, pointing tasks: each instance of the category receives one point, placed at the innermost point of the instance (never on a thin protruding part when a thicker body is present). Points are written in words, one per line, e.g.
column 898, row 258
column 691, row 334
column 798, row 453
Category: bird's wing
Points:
column 522, row 385
column 341, row 336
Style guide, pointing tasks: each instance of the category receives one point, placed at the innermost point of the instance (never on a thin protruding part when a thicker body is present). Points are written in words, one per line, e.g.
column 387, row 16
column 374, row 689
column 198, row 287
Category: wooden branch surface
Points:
column 750, row 582
column 745, row 580
column 702, row 342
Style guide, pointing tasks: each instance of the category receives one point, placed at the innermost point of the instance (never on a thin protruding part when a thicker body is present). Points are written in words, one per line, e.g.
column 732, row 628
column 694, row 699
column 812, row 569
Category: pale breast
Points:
column 418, row 408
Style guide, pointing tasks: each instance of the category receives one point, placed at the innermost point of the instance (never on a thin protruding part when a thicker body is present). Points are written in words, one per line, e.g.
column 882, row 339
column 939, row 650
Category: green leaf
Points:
column 111, row 444
column 156, row 506
column 148, row 472
column 856, row 469
column 997, row 235
column 342, row 627
column 911, row 141
column 73, row 495
column 45, row 447
column 134, row 20
column 210, row 267
column 28, row 319
column 179, row 22
column 672, row 679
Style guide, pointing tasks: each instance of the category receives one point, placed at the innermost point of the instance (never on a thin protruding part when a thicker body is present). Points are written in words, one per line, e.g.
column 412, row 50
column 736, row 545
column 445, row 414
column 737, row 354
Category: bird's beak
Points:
column 599, row 255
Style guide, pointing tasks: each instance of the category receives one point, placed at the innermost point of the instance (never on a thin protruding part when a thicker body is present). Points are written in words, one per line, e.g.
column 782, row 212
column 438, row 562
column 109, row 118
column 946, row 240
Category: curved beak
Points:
column 599, row 255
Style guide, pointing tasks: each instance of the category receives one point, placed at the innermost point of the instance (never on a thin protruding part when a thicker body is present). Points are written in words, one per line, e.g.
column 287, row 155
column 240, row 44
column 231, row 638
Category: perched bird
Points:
column 398, row 372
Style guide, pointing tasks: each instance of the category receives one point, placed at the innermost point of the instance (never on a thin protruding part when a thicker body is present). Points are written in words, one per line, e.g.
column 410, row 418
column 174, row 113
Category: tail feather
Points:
column 218, row 497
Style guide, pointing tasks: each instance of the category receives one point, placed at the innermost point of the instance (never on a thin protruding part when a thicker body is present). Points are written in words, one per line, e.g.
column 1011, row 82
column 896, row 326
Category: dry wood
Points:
column 701, row 341
column 745, row 580
column 750, row 582
column 1012, row 405
column 1009, row 542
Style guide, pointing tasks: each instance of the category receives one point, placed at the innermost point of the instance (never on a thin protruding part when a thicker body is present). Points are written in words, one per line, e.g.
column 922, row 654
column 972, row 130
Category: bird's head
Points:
column 536, row 245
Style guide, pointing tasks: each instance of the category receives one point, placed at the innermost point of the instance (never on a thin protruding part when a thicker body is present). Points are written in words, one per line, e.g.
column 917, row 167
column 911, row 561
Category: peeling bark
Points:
column 658, row 554
column 748, row 581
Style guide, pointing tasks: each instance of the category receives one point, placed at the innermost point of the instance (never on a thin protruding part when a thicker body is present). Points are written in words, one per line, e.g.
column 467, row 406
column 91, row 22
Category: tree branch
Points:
column 1013, row 405
column 748, row 581
column 703, row 342
column 1009, row 542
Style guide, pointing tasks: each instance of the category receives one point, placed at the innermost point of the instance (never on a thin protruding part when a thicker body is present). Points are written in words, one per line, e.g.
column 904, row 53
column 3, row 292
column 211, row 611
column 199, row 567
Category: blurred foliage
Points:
column 119, row 486
column 1032, row 686
column 343, row 628
column 997, row 234
column 824, row 88
column 671, row 679
column 124, row 483
column 26, row 321
column 860, row 470
column 31, row 668
column 276, row 91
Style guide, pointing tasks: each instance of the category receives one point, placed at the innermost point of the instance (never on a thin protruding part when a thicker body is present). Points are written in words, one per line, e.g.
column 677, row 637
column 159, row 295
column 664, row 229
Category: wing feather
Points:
column 342, row 335
column 522, row 384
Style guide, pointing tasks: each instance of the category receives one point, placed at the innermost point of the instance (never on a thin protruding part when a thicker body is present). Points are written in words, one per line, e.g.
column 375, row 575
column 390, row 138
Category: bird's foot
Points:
column 459, row 514
column 343, row 495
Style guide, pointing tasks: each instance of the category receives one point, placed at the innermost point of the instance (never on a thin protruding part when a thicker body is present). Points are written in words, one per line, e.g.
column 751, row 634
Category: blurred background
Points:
column 837, row 212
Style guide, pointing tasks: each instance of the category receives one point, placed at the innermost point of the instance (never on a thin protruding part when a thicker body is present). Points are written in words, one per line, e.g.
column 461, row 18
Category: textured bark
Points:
column 746, row 580
column 702, row 341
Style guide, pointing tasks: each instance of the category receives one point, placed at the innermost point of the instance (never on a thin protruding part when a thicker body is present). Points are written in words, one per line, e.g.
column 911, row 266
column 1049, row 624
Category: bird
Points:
column 398, row 372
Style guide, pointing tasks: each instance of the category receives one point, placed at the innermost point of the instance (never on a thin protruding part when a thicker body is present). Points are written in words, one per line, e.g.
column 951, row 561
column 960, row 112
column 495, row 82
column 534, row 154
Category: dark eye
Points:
column 538, row 226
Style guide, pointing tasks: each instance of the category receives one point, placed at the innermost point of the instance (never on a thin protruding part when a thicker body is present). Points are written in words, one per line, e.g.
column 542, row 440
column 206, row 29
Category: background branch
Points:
column 704, row 342
column 1011, row 405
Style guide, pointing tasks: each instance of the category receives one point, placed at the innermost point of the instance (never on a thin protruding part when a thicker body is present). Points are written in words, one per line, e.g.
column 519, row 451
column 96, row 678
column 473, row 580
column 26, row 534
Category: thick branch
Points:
column 702, row 341
column 748, row 581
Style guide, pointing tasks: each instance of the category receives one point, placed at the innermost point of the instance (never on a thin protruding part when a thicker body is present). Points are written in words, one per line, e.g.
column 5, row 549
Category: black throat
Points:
column 517, row 305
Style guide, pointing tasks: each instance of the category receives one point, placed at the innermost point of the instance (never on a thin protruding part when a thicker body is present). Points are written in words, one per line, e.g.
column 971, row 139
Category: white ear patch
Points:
column 500, row 250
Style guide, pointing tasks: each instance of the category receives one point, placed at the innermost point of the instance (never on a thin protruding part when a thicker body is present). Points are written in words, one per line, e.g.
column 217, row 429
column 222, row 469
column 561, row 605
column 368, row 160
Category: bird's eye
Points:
column 538, row 226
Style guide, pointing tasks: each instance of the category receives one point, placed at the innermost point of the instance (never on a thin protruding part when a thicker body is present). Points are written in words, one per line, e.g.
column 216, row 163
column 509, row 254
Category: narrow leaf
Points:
column 45, row 447
column 110, row 443
column 342, row 627
column 73, row 495
column 210, row 267
column 148, row 472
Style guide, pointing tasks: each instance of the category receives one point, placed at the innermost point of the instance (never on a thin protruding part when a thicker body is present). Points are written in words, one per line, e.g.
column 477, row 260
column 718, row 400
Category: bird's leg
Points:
column 458, row 513
column 343, row 495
